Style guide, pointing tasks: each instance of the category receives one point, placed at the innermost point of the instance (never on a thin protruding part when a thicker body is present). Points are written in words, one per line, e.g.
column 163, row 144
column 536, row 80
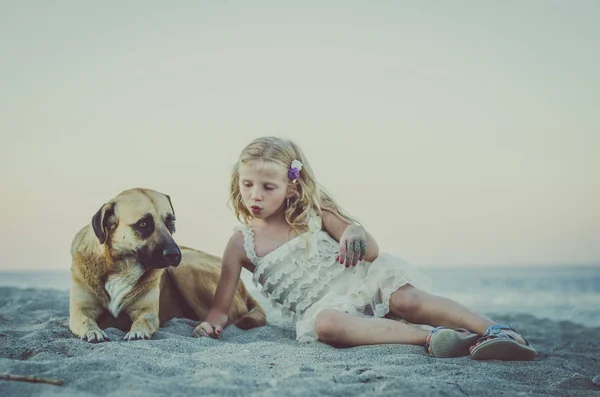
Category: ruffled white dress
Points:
column 303, row 277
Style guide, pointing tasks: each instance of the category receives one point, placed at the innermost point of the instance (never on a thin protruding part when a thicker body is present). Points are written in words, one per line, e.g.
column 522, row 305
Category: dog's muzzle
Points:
column 166, row 256
column 172, row 256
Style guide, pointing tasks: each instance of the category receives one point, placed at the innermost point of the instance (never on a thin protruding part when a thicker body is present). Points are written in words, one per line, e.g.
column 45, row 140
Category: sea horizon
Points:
column 560, row 293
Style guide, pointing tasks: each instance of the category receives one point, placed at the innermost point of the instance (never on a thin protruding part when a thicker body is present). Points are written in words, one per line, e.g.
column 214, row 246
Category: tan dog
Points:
column 128, row 271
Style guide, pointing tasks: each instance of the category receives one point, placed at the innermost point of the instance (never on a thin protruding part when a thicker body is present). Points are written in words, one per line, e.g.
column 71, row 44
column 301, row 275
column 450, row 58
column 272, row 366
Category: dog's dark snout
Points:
column 172, row 255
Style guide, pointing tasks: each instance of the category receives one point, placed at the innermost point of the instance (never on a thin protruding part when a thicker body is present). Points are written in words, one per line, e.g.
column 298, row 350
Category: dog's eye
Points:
column 143, row 225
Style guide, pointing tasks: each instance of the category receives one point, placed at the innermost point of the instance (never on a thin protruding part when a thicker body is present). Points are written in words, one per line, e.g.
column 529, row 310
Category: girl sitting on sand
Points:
column 319, row 264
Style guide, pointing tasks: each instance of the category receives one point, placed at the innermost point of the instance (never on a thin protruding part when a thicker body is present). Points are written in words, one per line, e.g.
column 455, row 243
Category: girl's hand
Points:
column 206, row 329
column 353, row 246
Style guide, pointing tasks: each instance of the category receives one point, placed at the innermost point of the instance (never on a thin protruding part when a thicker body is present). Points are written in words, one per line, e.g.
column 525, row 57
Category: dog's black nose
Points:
column 172, row 255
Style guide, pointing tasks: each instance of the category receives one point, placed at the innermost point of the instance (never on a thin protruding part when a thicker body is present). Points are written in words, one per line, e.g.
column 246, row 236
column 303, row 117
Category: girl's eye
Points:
column 247, row 184
column 269, row 188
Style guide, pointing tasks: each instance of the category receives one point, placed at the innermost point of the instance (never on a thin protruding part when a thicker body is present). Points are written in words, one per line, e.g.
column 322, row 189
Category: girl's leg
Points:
column 419, row 307
column 338, row 328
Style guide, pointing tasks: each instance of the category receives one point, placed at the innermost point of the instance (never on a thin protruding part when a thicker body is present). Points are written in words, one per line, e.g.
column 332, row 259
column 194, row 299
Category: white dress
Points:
column 303, row 277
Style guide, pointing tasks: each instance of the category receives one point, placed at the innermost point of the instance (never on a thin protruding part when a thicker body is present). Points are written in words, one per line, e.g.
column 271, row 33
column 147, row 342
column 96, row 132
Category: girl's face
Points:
column 264, row 188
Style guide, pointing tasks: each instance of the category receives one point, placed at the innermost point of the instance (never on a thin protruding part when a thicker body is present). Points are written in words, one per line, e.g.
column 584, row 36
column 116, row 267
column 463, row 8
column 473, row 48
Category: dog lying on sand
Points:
column 128, row 272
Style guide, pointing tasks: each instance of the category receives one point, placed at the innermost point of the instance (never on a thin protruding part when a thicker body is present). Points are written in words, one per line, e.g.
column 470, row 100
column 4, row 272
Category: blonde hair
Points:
column 309, row 194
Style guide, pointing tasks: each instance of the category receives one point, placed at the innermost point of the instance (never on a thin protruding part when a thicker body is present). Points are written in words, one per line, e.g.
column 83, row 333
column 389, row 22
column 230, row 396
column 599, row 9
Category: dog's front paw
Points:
column 137, row 335
column 95, row 336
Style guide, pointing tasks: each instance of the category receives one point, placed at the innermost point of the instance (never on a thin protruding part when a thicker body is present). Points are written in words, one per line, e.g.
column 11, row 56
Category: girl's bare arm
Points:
column 233, row 259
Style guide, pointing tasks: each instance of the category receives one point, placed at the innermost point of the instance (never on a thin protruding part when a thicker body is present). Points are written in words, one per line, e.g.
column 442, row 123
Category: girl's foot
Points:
column 444, row 342
column 502, row 342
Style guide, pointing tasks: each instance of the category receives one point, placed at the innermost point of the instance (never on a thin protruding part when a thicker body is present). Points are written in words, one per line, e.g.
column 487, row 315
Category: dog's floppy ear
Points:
column 100, row 221
column 171, row 204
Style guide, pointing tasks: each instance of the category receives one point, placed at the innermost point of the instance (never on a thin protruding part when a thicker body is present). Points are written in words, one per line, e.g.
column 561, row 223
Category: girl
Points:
column 319, row 264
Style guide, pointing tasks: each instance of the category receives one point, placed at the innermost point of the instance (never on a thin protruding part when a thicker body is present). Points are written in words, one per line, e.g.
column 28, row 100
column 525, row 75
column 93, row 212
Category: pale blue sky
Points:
column 461, row 132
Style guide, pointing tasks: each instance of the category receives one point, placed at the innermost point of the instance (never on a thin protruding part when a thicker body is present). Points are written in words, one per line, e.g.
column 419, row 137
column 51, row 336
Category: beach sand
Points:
column 35, row 340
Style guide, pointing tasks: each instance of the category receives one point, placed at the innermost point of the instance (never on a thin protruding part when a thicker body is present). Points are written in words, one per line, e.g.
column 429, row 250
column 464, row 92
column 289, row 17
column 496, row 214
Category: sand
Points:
column 35, row 340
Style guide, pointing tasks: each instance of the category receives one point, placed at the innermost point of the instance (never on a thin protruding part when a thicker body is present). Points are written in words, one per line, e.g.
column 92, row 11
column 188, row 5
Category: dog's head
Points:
column 138, row 225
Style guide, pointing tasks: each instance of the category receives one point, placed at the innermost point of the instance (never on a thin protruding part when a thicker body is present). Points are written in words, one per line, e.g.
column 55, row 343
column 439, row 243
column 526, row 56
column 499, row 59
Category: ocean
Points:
column 570, row 293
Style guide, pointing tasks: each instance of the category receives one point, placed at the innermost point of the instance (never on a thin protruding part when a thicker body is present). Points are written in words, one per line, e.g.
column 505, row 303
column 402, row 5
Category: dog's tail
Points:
column 256, row 316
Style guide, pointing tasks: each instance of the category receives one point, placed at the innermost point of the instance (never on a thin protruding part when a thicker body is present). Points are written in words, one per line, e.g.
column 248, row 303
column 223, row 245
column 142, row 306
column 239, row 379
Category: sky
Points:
column 459, row 133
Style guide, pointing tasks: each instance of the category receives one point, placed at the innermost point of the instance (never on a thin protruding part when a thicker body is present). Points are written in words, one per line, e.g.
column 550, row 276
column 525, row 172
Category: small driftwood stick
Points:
column 32, row 379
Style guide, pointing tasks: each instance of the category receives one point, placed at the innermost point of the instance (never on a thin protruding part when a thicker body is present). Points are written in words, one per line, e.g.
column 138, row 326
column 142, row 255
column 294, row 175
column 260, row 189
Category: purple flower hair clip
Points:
column 294, row 172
